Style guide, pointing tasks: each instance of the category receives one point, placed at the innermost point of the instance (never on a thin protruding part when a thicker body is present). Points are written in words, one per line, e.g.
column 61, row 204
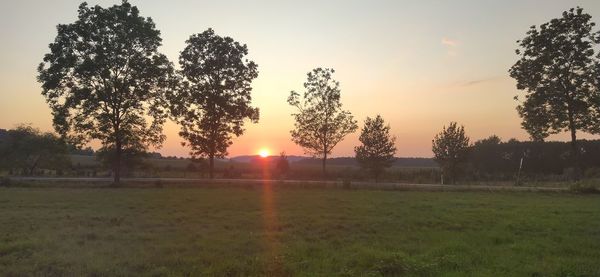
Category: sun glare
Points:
column 263, row 152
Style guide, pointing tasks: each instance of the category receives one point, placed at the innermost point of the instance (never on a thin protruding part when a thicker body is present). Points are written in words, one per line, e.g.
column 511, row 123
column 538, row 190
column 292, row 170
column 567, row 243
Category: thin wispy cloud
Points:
column 449, row 42
column 451, row 46
column 480, row 81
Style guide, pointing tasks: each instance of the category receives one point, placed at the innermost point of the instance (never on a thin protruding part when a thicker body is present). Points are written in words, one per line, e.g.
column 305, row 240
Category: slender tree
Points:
column 282, row 165
column 378, row 147
column 215, row 94
column 450, row 148
column 556, row 71
column 104, row 79
column 320, row 123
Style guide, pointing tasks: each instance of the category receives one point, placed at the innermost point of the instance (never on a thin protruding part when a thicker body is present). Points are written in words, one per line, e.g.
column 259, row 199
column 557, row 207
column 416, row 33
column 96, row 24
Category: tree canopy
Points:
column 104, row 79
column 450, row 148
column 320, row 123
column 377, row 148
column 214, row 96
column 27, row 149
column 557, row 68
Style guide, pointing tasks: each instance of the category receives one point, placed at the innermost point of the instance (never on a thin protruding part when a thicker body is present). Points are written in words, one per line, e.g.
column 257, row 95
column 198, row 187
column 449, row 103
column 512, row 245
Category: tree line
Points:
column 105, row 80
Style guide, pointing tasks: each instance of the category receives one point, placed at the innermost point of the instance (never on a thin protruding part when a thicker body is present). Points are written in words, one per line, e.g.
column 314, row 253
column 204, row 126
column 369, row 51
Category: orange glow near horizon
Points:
column 264, row 152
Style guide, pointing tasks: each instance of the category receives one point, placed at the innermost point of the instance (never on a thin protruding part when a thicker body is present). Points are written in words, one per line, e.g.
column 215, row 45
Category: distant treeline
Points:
column 492, row 159
column 398, row 162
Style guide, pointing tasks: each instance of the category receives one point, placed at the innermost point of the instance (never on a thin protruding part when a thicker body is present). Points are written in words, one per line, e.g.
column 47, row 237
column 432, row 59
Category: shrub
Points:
column 581, row 187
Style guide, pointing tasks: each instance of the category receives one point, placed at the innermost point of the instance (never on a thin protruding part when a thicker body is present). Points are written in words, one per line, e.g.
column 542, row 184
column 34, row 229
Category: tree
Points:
column 104, row 79
column 320, row 123
column 215, row 94
column 378, row 147
column 556, row 71
column 450, row 149
column 282, row 165
column 28, row 149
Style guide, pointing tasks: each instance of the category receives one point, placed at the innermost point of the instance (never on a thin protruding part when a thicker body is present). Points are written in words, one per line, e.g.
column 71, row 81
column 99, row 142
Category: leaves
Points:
column 104, row 78
column 27, row 148
column 378, row 147
column 556, row 71
column 214, row 94
column 450, row 148
column 320, row 123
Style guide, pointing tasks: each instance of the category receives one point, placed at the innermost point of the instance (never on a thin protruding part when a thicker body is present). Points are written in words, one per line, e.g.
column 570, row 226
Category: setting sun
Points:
column 264, row 152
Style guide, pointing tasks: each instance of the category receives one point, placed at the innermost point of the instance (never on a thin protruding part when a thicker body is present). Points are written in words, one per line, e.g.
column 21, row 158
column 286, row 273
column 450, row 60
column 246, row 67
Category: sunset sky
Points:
column 420, row 64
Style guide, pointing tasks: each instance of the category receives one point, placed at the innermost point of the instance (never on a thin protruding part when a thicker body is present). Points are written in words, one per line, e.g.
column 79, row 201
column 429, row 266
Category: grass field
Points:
column 296, row 232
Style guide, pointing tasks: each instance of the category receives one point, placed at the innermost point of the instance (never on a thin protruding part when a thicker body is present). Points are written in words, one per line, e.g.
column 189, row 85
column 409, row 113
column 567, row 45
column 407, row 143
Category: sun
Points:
column 264, row 152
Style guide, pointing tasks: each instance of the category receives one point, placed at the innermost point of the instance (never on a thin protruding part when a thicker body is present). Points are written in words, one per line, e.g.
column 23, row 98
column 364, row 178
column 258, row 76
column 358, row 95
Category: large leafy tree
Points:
column 27, row 149
column 320, row 123
column 450, row 148
column 104, row 80
column 376, row 153
column 556, row 71
column 214, row 96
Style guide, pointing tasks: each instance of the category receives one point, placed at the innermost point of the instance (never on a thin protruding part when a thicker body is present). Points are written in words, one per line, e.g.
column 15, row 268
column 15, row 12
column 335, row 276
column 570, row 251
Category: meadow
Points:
column 275, row 231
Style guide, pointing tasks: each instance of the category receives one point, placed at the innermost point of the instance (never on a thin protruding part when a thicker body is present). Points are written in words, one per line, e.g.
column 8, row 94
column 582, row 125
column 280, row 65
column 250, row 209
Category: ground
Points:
column 296, row 232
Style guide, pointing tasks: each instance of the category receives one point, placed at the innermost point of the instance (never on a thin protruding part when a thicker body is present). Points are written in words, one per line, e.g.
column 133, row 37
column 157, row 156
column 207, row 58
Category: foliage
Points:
column 79, row 150
column 496, row 160
column 580, row 187
column 320, row 123
column 104, row 78
column 378, row 147
column 214, row 96
column 450, row 148
column 28, row 149
column 131, row 159
column 282, row 165
column 556, row 71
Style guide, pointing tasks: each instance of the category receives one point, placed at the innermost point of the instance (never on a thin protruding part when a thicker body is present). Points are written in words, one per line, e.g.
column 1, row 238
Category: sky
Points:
column 419, row 64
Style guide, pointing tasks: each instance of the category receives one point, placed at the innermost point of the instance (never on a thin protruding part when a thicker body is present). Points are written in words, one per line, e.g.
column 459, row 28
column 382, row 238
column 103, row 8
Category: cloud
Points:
column 449, row 42
column 480, row 81
column 451, row 46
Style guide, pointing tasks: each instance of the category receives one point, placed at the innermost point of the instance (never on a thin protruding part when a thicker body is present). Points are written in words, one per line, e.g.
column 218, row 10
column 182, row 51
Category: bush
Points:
column 581, row 187
column 592, row 172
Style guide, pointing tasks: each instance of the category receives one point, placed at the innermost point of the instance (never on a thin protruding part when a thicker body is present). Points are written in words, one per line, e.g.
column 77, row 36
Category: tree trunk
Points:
column 211, row 167
column 117, row 163
column 324, row 165
column 32, row 168
column 575, row 150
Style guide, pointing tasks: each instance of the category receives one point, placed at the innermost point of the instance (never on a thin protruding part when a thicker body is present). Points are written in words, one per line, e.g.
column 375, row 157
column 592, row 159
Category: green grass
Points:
column 299, row 232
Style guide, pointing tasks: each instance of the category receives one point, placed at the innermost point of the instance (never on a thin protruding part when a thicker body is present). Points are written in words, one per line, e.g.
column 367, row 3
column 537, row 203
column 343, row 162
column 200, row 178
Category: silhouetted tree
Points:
column 104, row 78
column 450, row 149
column 283, row 165
column 320, row 123
column 215, row 94
column 378, row 147
column 556, row 71
column 27, row 149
